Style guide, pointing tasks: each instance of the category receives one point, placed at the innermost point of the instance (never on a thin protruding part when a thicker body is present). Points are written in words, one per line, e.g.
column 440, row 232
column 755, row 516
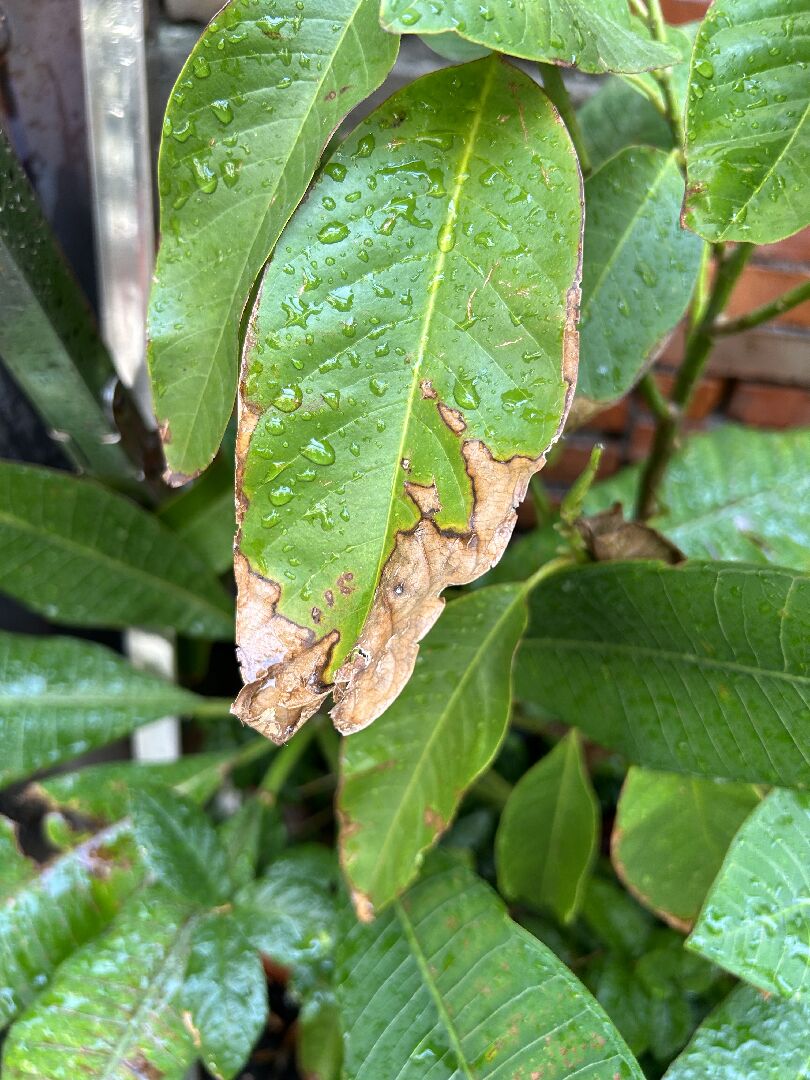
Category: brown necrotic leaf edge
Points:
column 283, row 664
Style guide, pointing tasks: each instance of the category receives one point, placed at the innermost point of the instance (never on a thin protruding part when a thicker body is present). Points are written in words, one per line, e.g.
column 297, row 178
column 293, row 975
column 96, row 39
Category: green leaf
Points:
column 47, row 338
column 639, row 272
column 756, row 919
column 452, row 46
column 734, row 493
column 445, row 984
column 60, row 697
column 79, row 554
column 15, row 869
column 226, row 993
column 616, row 117
column 203, row 515
column 700, row 668
column 45, row 916
column 181, row 846
column 616, row 918
column 111, row 1013
column 441, row 316
column 593, row 35
column 402, row 780
column 670, row 837
column 319, row 1046
column 748, row 134
column 748, row 1035
column 103, row 792
column 252, row 111
column 242, row 834
column 547, row 837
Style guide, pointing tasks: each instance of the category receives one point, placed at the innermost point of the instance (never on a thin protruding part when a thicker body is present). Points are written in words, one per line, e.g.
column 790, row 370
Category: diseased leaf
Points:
column 103, row 791
column 445, row 983
column 437, row 357
column 47, row 338
column 618, row 116
column 81, row 555
column 252, row 111
column 670, row 837
column 403, row 779
column 225, row 991
column 748, row 133
column 112, row 1013
column 749, row 1035
column 639, row 271
column 756, row 919
column 594, row 35
column 60, row 697
column 547, row 837
column 700, row 668
column 181, row 846
column 46, row 915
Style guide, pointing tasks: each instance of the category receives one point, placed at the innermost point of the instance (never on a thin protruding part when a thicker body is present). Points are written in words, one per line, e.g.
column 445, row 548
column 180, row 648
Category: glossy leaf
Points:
column 445, row 983
column 103, row 792
column 547, row 837
column 46, row 915
column 700, row 668
column 749, row 1035
column 181, row 846
column 252, row 111
column 748, row 133
column 112, row 1012
column 670, row 837
column 225, row 991
column 594, row 35
column 402, row 780
column 15, row 869
column 410, row 308
column 618, row 116
column 639, row 271
column 60, row 697
column 47, row 337
column 756, row 919
column 81, row 555
column 203, row 515
column 319, row 1046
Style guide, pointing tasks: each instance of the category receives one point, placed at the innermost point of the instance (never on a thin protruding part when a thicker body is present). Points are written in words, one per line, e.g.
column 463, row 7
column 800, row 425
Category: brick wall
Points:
column 761, row 377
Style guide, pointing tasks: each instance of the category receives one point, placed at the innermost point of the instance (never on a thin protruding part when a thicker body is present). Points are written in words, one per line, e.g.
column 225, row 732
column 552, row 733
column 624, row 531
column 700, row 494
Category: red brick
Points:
column 770, row 406
column 613, row 421
column 641, row 437
column 762, row 283
column 796, row 249
column 681, row 11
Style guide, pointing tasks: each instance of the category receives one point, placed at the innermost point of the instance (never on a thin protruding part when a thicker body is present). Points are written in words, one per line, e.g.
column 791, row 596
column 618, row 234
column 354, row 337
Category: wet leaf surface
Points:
column 80, row 555
column 445, row 983
column 671, row 835
column 756, row 919
column 594, row 35
column 617, row 116
column 402, row 780
column 748, row 133
column 247, row 122
column 547, row 837
column 60, row 697
column 409, row 361
column 700, row 668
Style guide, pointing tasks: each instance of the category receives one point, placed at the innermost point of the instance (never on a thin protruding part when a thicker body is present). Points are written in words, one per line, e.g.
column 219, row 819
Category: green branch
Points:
column 674, row 112
column 785, row 302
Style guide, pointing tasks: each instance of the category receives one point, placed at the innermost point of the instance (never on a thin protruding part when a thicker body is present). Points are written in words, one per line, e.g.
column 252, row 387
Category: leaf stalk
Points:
column 557, row 91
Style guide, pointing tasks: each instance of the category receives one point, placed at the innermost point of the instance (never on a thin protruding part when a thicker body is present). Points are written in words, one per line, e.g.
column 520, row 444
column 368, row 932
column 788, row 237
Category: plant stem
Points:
column 654, row 399
column 492, row 788
column 640, row 8
column 211, row 709
column 553, row 566
column 785, row 302
column 698, row 347
column 658, row 28
column 285, row 761
column 558, row 92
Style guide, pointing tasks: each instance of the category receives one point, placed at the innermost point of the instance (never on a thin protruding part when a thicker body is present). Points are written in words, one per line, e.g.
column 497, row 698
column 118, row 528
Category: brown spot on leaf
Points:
column 608, row 537
column 426, row 498
column 191, row 1028
column 329, row 597
column 331, row 95
column 453, row 418
column 434, row 821
column 316, row 614
column 344, row 583
column 142, row 1068
column 363, row 906
column 426, row 389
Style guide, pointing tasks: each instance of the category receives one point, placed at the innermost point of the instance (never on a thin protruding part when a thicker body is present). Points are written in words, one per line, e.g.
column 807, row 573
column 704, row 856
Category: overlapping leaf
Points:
column 756, row 919
column 748, row 125
column 403, row 778
column 749, row 1035
column 60, row 697
column 445, row 984
column 639, row 272
column 701, row 668
column 408, row 333
column 671, row 835
column 15, row 869
column 255, row 104
column 618, row 116
column 45, row 916
column 546, row 840
column 594, row 35
column 203, row 515
column 112, row 1012
column 82, row 555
